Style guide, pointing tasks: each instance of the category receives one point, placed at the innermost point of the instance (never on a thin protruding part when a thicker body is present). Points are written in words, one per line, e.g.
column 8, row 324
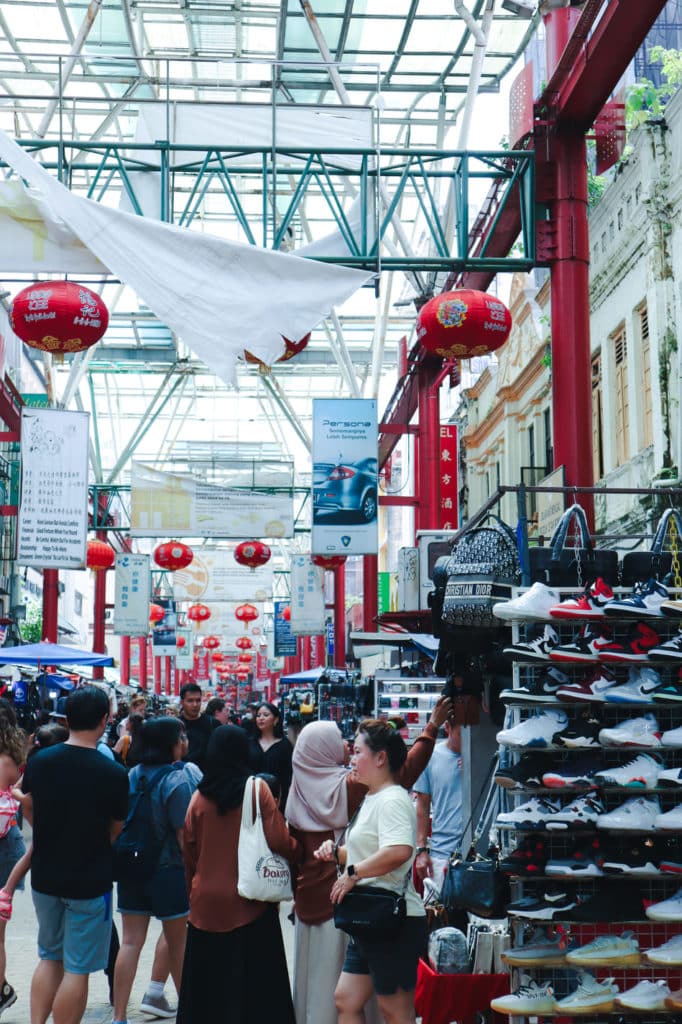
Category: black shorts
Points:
column 163, row 896
column 391, row 963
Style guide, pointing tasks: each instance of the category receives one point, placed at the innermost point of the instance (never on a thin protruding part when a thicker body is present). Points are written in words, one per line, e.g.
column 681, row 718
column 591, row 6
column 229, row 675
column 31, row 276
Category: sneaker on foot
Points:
column 8, row 996
column 533, row 605
column 157, row 1006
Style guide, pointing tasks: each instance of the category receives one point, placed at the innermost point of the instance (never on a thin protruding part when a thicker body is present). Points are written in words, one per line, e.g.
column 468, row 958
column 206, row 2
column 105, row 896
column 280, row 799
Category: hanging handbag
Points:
column 477, row 885
column 642, row 565
column 481, row 571
column 562, row 565
column 262, row 874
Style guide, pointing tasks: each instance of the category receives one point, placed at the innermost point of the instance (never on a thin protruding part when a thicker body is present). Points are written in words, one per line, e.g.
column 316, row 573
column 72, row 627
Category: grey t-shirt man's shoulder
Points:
column 442, row 781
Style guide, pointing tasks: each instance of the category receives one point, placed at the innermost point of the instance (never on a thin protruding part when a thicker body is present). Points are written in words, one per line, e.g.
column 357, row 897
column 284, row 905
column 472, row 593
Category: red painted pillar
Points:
column 157, row 673
column 340, row 616
column 167, row 673
column 559, row 26
column 50, row 605
column 370, row 592
column 142, row 648
column 428, row 462
column 570, row 298
column 307, row 646
column 124, row 665
column 100, row 605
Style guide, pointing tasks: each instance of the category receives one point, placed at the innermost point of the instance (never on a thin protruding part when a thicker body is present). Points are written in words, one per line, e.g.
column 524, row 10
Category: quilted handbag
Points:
column 562, row 565
column 481, row 571
column 642, row 565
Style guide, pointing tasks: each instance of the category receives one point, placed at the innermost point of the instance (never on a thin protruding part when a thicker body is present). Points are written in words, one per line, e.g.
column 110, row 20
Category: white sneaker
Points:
column 536, row 731
column 534, row 605
column 619, row 950
column 591, row 996
column 581, row 813
column 643, row 771
column 646, row 995
column 671, row 821
column 672, row 738
column 646, row 599
column 668, row 955
column 636, row 815
column 666, row 910
column 529, row 999
column 533, row 814
column 634, row 732
column 638, row 689
column 671, row 777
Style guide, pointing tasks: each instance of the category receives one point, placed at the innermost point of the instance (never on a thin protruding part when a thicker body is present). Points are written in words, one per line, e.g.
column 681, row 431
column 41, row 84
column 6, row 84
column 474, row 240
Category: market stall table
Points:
column 442, row 998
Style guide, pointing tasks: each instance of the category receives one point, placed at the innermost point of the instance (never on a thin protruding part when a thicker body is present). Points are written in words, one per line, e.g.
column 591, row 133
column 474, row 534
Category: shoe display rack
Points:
column 411, row 697
column 591, row 838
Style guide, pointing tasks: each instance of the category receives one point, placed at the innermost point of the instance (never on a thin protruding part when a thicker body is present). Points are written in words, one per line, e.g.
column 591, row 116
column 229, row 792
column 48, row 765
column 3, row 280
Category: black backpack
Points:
column 138, row 848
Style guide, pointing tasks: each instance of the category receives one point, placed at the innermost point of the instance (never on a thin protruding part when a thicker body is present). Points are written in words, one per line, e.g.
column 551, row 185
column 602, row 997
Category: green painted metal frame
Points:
column 398, row 174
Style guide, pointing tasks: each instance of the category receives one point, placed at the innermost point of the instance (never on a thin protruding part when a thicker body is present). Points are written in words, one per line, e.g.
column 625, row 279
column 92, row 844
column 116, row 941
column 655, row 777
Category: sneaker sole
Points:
column 638, row 701
column 673, row 918
column 559, row 782
column 571, row 826
column 572, row 656
column 545, row 914
column 523, row 655
column 10, row 1002
column 670, row 867
column 623, row 658
column 154, row 1011
column 581, row 1011
column 673, row 1004
column 645, row 871
column 617, row 960
column 638, row 1007
column 533, row 826
column 663, row 961
column 528, row 698
column 592, row 615
column 524, row 1010
column 592, row 872
column 551, row 960
column 668, row 698
column 581, row 743
column 659, row 652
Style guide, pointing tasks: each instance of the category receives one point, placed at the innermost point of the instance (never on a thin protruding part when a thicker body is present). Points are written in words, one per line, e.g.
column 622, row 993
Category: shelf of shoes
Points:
column 573, row 876
column 410, row 697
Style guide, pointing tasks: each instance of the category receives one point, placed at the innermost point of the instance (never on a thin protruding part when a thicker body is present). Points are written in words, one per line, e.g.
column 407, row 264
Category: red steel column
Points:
column 125, row 661
column 370, row 595
column 167, row 673
column 307, row 650
column 570, row 298
column 427, row 474
column 559, row 27
column 142, row 648
column 100, row 604
column 156, row 661
column 340, row 616
column 50, row 605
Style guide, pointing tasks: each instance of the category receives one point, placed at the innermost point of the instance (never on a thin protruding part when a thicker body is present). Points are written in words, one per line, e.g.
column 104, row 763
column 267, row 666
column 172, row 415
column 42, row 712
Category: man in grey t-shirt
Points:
column 439, row 804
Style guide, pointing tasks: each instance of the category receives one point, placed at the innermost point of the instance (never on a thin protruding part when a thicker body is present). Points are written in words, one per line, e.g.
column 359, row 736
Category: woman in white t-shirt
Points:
column 379, row 850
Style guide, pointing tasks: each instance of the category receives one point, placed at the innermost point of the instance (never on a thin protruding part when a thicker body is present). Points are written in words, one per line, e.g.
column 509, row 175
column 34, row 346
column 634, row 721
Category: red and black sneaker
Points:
column 585, row 860
column 527, row 860
column 641, row 640
column 590, row 604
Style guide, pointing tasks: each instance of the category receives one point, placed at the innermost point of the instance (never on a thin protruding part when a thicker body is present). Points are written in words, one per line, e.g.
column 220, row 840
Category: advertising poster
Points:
column 307, row 597
column 449, row 485
column 131, row 600
column 213, row 575
column 171, row 503
column 202, row 672
column 285, row 641
column 184, row 652
column 53, row 511
column 163, row 634
column 345, row 476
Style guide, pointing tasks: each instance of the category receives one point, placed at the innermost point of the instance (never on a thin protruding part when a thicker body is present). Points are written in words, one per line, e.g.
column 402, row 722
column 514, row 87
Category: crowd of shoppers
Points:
column 192, row 770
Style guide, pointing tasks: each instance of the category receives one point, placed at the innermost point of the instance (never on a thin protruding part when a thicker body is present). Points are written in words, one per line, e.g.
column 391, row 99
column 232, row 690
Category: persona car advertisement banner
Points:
column 345, row 476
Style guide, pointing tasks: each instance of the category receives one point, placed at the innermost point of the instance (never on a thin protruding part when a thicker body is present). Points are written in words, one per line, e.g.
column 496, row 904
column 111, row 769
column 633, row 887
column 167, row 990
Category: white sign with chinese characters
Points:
column 131, row 601
column 307, row 597
column 53, row 512
column 213, row 575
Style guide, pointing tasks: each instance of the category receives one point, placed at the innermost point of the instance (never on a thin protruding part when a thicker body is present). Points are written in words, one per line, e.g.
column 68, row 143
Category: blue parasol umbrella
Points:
column 51, row 654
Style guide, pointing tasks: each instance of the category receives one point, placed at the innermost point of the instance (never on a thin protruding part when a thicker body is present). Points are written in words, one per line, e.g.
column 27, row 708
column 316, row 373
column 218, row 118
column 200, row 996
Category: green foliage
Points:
column 644, row 99
column 31, row 628
column 596, row 183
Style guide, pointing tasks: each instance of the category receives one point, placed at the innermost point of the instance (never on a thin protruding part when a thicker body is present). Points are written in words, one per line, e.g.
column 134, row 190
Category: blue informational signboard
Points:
column 285, row 643
column 330, row 639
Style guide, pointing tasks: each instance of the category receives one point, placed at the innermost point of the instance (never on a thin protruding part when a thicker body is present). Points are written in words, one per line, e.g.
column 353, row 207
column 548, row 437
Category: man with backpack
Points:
column 76, row 801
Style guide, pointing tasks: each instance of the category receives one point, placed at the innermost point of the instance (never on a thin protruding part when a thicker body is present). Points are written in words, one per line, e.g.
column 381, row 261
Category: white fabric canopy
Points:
column 219, row 297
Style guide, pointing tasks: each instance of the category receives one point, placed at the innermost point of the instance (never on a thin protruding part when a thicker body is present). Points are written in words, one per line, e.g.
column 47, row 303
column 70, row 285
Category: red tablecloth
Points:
column 441, row 998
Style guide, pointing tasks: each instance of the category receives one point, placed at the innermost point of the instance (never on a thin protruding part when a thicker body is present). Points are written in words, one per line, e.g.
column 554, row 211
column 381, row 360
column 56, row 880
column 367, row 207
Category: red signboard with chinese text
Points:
column 448, row 477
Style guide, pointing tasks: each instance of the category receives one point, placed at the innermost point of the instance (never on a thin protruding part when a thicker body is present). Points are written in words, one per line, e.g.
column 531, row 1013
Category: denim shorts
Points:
column 164, row 896
column 12, row 849
column 391, row 963
column 77, row 932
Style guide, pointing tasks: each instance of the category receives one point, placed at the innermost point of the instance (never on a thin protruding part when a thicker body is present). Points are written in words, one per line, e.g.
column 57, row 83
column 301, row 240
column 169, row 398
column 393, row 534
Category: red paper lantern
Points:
column 217, row 657
column 246, row 613
column 99, row 555
column 156, row 612
column 173, row 555
column 286, row 613
column 463, row 323
column 180, row 641
column 211, row 642
column 291, row 349
column 242, row 674
column 58, row 316
column 198, row 613
column 329, row 562
column 243, row 643
column 245, row 659
column 252, row 553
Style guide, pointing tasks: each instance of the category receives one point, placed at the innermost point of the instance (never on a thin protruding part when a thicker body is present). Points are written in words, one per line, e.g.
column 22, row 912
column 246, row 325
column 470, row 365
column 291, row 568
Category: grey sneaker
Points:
column 157, row 1006
column 8, row 996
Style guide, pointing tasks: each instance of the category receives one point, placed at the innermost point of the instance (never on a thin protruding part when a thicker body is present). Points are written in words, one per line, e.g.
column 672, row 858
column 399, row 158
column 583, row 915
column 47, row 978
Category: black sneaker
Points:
column 584, row 860
column 669, row 693
column 583, row 731
column 543, row 908
column 537, row 649
column 525, row 774
column 527, row 860
column 610, row 903
column 538, row 691
column 8, row 996
column 638, row 856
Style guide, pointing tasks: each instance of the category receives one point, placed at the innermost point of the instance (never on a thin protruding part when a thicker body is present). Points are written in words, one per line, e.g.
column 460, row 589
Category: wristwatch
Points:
column 350, row 871
column 421, row 849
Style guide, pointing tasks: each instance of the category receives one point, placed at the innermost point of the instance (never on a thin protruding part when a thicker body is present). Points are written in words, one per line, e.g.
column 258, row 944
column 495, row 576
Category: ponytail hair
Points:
column 380, row 735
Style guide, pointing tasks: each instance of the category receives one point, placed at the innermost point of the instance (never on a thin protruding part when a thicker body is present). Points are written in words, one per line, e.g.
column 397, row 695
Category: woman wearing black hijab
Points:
column 235, row 969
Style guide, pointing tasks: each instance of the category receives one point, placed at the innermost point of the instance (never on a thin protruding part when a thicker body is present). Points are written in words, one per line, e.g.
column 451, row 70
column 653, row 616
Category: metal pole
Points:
column 65, row 75
column 340, row 616
column 50, row 605
column 370, row 595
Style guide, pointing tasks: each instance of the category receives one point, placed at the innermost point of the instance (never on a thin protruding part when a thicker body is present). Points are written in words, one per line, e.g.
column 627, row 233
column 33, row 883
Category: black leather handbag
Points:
column 642, row 565
column 560, row 565
column 370, row 912
column 476, row 884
